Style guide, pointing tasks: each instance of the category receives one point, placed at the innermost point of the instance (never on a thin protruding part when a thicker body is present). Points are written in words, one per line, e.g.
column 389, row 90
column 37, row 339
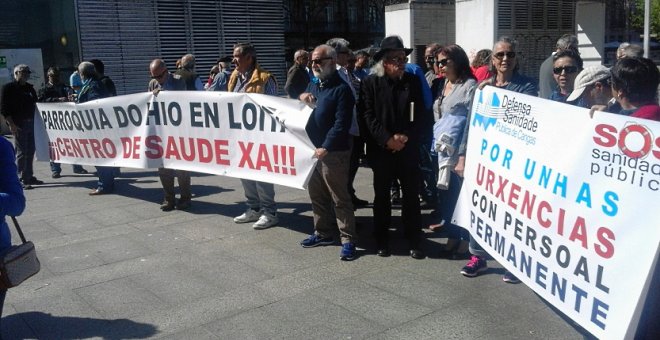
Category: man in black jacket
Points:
column 328, row 128
column 188, row 74
column 17, row 105
column 297, row 77
column 392, row 117
column 105, row 80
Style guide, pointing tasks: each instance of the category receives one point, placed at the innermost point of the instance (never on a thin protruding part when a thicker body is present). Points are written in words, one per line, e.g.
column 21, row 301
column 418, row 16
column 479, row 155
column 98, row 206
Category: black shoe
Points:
column 56, row 175
column 358, row 203
column 383, row 252
column 183, row 205
column 167, row 206
column 26, row 186
column 417, row 254
column 80, row 171
column 32, row 181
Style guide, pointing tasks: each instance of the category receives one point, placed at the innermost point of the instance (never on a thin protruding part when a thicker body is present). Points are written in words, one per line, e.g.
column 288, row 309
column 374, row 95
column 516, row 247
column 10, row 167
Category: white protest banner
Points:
column 566, row 202
column 250, row 136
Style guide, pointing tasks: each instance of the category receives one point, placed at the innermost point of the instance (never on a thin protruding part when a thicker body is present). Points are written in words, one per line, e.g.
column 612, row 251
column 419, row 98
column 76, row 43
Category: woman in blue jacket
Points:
column 12, row 201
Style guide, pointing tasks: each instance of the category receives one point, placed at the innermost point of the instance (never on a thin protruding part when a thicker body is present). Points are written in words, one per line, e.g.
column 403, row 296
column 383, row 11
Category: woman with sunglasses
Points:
column 566, row 66
column 450, row 110
column 505, row 65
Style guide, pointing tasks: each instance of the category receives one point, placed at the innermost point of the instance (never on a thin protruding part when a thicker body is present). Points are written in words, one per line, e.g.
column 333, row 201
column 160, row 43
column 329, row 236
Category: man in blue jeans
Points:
column 249, row 77
column 92, row 89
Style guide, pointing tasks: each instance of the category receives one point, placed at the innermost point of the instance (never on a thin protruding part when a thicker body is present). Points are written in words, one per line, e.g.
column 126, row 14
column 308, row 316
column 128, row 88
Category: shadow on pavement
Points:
column 46, row 326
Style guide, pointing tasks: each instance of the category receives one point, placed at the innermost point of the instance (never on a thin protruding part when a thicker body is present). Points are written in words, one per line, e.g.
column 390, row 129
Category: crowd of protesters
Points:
column 410, row 127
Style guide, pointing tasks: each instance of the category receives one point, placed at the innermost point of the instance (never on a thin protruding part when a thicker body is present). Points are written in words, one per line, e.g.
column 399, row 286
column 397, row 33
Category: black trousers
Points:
column 404, row 166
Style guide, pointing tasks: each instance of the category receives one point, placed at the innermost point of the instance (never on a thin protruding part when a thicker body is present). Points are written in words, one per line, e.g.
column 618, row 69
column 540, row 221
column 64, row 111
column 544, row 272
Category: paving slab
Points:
column 116, row 267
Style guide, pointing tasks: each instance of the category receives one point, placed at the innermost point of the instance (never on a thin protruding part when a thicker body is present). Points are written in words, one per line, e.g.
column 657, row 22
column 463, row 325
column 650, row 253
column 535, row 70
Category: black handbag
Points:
column 18, row 262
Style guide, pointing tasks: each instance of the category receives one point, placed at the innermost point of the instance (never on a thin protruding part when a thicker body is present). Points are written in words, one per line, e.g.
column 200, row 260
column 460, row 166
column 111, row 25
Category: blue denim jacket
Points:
column 12, row 201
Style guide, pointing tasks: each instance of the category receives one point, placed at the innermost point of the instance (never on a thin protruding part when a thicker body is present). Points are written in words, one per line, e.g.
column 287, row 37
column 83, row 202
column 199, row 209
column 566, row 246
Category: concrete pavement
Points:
column 116, row 267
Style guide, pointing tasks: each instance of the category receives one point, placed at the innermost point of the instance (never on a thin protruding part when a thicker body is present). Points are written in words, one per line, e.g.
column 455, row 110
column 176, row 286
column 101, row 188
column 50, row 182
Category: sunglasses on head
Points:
column 442, row 62
column 567, row 69
column 500, row 55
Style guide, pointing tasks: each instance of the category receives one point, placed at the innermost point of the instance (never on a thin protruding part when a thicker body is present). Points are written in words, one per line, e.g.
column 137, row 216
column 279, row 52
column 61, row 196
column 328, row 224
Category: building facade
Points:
column 127, row 34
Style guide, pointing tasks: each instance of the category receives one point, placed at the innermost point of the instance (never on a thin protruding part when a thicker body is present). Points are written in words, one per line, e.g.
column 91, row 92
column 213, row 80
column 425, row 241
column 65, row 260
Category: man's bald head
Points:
column 158, row 70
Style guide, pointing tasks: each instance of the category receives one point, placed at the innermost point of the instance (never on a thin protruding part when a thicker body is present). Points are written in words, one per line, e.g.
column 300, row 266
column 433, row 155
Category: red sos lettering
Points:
column 608, row 136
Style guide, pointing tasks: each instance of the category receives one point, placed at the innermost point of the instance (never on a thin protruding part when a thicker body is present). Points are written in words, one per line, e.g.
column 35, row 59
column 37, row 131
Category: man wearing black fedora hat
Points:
column 392, row 117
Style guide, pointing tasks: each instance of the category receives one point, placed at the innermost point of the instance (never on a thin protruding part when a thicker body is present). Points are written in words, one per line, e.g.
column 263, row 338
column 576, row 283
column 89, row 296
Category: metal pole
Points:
column 647, row 24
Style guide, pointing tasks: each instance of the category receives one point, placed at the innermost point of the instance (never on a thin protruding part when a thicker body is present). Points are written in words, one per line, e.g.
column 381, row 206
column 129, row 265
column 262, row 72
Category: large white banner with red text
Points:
column 567, row 203
column 248, row 136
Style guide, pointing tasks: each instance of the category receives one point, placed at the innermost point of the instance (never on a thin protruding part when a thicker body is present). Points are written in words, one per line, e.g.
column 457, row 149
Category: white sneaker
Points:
column 265, row 221
column 248, row 216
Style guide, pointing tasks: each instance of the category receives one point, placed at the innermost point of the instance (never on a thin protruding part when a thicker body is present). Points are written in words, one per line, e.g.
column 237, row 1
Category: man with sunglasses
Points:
column 329, row 130
column 249, row 77
column 392, row 118
column 163, row 80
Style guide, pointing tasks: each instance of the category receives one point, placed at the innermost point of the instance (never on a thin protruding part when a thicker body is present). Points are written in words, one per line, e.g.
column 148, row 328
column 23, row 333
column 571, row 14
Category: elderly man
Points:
column 297, row 77
column 188, row 74
column 392, row 117
column 628, row 50
column 221, row 79
column 18, row 104
column 92, row 89
column 249, row 77
column 163, row 80
column 328, row 128
column 592, row 88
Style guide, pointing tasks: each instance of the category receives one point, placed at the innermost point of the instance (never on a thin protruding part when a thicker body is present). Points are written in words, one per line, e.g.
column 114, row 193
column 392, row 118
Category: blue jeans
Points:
column 106, row 178
column 260, row 196
column 56, row 167
column 446, row 206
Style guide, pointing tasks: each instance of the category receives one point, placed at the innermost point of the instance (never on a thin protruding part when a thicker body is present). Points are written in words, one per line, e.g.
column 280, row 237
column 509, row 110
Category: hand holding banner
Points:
column 249, row 136
column 560, row 199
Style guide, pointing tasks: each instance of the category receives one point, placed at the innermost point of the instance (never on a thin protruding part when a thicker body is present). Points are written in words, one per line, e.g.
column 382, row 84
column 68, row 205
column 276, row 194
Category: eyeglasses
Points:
column 397, row 60
column 160, row 75
column 500, row 55
column 429, row 58
column 567, row 69
column 442, row 62
column 320, row 60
